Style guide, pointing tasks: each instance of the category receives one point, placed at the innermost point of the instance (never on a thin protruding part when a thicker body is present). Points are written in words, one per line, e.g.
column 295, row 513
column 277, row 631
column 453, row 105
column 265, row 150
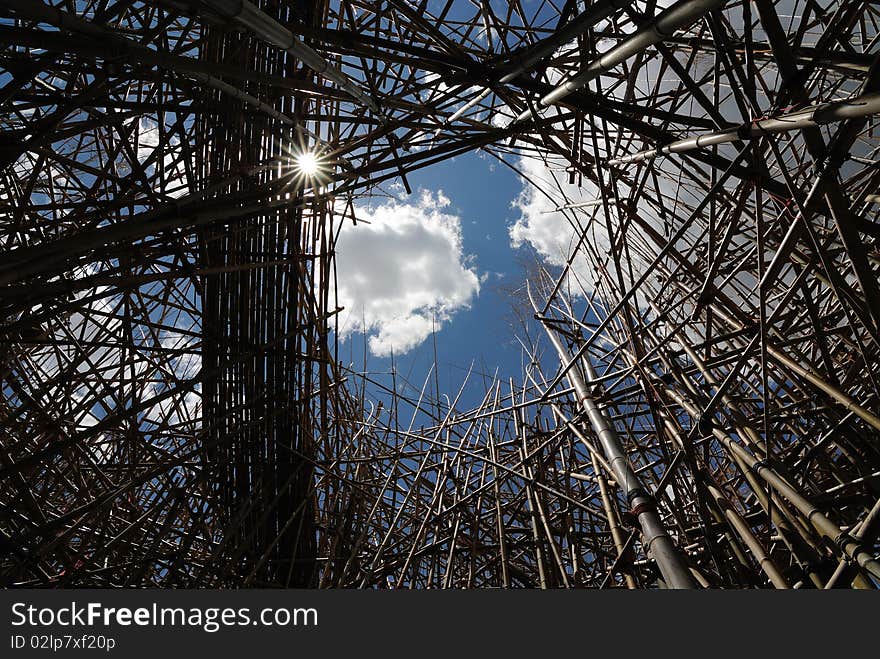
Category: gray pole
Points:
column 654, row 537
column 677, row 17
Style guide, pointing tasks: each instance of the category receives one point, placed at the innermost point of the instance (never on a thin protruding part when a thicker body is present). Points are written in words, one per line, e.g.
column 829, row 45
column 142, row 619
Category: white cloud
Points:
column 555, row 234
column 147, row 140
column 501, row 116
column 401, row 268
column 550, row 232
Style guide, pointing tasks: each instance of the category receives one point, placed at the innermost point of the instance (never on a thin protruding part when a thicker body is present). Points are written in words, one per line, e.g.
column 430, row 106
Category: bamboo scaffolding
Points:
column 698, row 400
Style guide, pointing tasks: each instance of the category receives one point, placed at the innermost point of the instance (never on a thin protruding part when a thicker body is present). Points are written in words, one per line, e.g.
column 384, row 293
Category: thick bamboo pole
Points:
column 819, row 115
column 657, row 541
column 677, row 17
column 843, row 541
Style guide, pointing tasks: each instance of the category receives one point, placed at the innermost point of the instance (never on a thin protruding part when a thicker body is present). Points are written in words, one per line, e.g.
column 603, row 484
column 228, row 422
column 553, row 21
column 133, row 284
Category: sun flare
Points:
column 307, row 163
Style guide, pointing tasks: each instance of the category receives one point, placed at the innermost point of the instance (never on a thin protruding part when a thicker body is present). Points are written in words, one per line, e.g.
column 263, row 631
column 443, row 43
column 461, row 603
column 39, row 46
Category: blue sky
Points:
column 480, row 191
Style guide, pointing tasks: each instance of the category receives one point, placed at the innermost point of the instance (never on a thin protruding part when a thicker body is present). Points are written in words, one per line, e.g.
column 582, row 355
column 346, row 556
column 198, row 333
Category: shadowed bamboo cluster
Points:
column 698, row 399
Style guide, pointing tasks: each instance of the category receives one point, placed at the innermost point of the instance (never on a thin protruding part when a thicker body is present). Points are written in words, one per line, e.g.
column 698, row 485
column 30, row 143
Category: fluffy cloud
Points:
column 401, row 268
column 147, row 141
column 550, row 232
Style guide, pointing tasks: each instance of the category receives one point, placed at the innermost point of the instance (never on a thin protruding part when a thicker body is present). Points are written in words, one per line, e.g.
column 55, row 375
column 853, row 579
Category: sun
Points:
column 307, row 163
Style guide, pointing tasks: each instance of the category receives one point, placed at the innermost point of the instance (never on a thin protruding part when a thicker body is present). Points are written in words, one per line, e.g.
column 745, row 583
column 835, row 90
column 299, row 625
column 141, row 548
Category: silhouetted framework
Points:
column 698, row 404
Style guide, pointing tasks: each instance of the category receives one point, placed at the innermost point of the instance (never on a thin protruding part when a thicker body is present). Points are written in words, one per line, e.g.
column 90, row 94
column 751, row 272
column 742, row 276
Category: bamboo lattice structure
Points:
column 698, row 404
